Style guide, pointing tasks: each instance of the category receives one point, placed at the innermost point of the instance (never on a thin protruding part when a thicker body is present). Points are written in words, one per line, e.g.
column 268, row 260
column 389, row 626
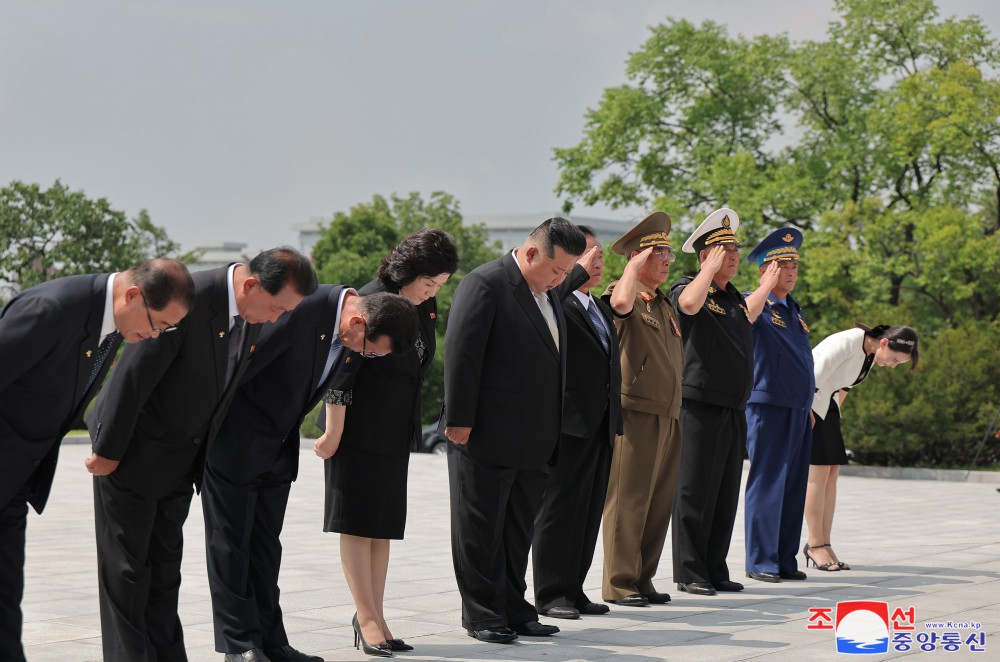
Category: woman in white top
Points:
column 842, row 361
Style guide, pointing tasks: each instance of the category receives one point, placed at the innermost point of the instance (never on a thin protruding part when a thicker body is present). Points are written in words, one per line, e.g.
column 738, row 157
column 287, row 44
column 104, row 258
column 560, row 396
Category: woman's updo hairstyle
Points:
column 422, row 253
column 901, row 339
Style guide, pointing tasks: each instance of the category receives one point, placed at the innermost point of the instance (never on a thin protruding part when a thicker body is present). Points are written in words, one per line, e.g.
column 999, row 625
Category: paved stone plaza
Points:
column 930, row 545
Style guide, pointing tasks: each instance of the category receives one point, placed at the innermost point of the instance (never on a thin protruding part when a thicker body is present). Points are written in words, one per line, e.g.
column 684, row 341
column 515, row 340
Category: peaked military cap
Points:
column 718, row 228
column 650, row 231
column 780, row 245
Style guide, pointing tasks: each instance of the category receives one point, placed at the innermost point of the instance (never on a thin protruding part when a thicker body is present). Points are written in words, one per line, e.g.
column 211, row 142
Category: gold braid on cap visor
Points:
column 781, row 253
column 719, row 236
column 654, row 239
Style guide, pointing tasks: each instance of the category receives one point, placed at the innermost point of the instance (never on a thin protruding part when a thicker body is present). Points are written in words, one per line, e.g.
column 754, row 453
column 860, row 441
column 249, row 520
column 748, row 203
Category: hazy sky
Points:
column 234, row 120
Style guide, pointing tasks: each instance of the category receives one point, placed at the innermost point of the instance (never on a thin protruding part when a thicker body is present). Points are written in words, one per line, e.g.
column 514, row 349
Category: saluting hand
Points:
column 588, row 259
column 458, row 436
column 715, row 259
column 769, row 278
column 100, row 466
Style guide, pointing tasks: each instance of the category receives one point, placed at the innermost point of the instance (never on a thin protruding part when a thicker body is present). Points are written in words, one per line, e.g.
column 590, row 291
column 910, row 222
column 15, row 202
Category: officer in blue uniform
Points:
column 779, row 434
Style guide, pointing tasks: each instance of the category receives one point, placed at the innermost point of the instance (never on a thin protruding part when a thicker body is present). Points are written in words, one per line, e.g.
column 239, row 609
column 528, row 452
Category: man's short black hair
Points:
column 558, row 231
column 587, row 231
column 422, row 253
column 281, row 266
column 390, row 315
column 163, row 280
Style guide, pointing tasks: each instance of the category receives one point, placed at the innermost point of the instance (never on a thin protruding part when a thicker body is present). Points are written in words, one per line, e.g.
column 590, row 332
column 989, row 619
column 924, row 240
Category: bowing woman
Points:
column 841, row 362
column 367, row 444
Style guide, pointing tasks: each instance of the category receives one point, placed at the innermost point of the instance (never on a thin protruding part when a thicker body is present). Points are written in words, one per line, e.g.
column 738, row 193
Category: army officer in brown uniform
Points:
column 646, row 457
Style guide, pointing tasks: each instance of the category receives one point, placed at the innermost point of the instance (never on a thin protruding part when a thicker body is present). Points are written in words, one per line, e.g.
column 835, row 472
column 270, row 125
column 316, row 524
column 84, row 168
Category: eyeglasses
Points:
column 365, row 353
column 153, row 327
column 665, row 253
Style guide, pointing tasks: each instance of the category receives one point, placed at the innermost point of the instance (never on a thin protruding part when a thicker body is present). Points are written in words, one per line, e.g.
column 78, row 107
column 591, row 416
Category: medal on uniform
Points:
column 650, row 320
column 647, row 297
column 673, row 326
column 776, row 318
column 805, row 327
column 715, row 308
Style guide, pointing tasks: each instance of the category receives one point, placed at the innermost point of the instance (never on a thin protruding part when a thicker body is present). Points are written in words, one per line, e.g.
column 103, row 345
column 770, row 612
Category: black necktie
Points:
column 602, row 331
column 235, row 341
column 102, row 355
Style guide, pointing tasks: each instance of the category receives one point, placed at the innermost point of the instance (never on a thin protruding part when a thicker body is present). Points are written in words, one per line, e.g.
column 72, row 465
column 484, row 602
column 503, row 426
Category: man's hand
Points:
column 589, row 258
column 715, row 259
column 326, row 446
column 100, row 466
column 458, row 436
column 769, row 278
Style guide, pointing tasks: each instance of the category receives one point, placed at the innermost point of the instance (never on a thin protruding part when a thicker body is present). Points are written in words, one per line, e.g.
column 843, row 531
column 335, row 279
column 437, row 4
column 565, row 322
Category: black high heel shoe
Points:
column 832, row 566
column 398, row 645
column 378, row 650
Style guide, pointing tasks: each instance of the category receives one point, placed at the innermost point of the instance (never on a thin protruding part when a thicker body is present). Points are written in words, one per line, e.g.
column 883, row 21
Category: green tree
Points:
column 882, row 142
column 354, row 243
column 59, row 232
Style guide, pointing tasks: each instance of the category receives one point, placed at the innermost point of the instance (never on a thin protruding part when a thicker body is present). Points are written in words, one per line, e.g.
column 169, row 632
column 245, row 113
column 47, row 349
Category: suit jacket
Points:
column 49, row 336
column 384, row 414
column 279, row 389
column 504, row 376
column 837, row 363
column 593, row 376
column 167, row 396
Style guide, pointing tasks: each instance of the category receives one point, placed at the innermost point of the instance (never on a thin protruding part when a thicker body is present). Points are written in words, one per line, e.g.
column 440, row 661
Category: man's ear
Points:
column 131, row 293
column 531, row 253
column 250, row 283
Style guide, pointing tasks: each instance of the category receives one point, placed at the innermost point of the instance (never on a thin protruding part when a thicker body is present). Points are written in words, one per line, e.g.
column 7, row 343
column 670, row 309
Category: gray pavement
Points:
column 930, row 545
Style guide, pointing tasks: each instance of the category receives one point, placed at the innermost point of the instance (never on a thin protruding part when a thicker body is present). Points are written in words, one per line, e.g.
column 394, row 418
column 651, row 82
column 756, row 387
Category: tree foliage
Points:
column 882, row 142
column 59, row 232
column 353, row 244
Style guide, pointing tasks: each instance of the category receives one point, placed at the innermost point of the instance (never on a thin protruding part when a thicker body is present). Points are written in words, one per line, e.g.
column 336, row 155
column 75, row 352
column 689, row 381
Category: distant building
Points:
column 509, row 229
column 218, row 255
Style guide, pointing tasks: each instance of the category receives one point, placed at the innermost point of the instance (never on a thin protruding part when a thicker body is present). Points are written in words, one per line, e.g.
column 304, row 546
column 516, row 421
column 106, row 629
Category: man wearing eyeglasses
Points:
column 718, row 374
column 255, row 457
column 150, row 427
column 644, row 464
column 57, row 342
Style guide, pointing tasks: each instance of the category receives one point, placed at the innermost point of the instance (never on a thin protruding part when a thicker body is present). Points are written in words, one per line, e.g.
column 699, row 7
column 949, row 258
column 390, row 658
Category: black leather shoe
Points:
column 771, row 577
column 288, row 654
column 533, row 629
column 634, row 600
column 560, row 611
column 657, row 598
column 728, row 586
column 494, row 635
column 696, row 588
column 797, row 575
column 398, row 645
column 592, row 609
column 252, row 655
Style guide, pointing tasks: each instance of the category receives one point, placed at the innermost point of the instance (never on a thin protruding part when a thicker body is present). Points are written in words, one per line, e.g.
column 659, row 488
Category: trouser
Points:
column 639, row 503
column 779, row 441
column 140, row 544
column 243, row 521
column 708, row 490
column 13, row 524
column 493, row 510
column 568, row 523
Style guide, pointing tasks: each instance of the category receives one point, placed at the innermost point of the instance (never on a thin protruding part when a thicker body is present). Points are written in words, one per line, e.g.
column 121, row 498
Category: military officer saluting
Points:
column 779, row 432
column 718, row 375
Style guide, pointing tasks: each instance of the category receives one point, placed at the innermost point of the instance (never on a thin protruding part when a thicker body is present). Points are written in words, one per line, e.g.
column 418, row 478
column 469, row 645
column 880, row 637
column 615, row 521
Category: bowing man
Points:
column 150, row 426
column 57, row 342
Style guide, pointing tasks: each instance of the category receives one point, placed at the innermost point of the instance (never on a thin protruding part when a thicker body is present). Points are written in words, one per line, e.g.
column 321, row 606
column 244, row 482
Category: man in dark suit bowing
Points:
column 255, row 457
column 150, row 426
column 57, row 341
column 567, row 525
column 505, row 370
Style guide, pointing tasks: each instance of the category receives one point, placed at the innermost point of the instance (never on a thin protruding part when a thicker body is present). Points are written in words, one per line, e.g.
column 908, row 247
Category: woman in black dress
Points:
column 842, row 361
column 366, row 475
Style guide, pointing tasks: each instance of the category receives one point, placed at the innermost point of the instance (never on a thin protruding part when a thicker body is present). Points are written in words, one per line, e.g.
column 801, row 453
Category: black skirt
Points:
column 366, row 493
column 828, row 442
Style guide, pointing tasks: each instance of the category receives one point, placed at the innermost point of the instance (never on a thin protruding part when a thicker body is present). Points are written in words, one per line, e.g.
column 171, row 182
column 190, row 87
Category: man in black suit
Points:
column 255, row 456
column 567, row 525
column 58, row 340
column 505, row 368
column 150, row 426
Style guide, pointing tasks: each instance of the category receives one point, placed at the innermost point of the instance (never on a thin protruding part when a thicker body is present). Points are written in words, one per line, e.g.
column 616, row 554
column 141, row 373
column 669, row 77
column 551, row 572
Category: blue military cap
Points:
column 780, row 245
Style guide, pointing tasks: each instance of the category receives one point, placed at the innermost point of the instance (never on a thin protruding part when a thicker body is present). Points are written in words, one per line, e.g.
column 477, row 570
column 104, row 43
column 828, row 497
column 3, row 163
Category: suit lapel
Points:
column 323, row 334
column 524, row 297
column 220, row 329
column 92, row 338
column 585, row 316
